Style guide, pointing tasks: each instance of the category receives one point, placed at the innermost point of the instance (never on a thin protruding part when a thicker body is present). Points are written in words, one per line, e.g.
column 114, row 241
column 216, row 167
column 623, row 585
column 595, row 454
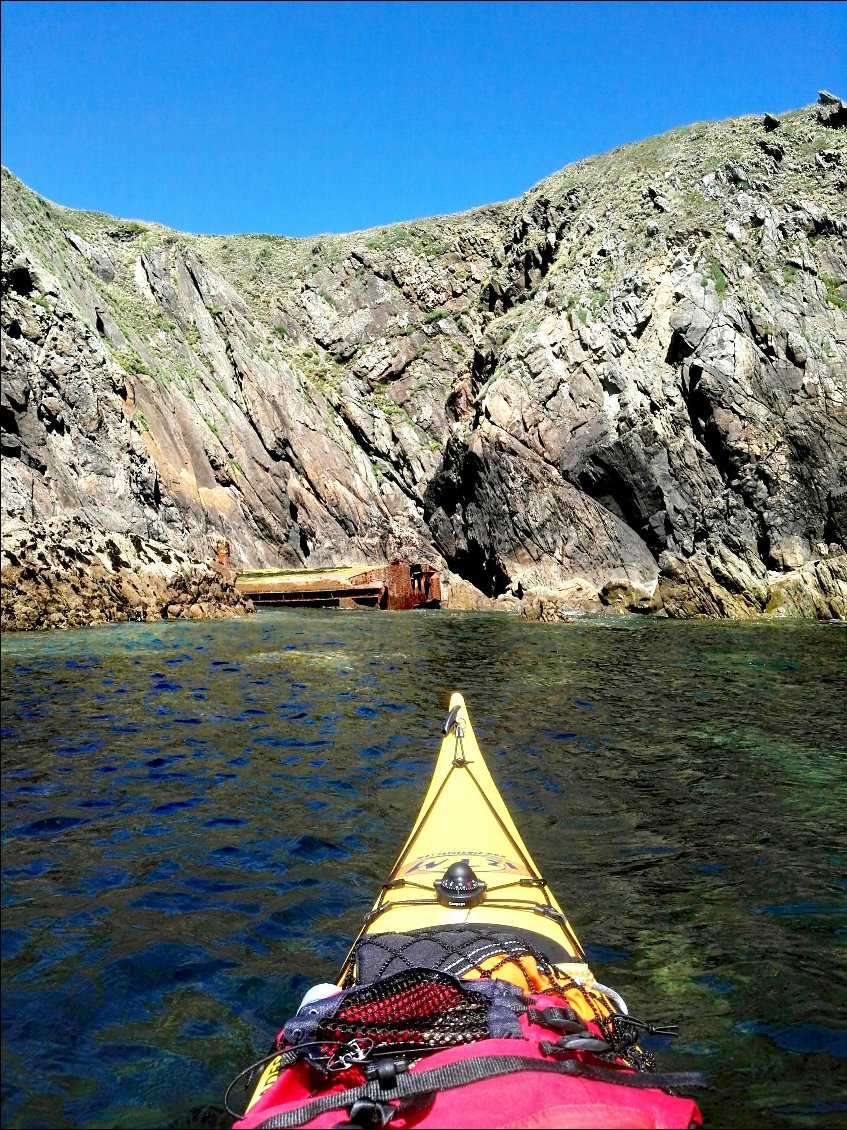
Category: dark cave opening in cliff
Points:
column 11, row 434
column 482, row 570
column 20, row 280
column 678, row 350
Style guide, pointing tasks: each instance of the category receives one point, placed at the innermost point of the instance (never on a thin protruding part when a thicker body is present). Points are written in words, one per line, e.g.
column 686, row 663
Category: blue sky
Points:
column 298, row 118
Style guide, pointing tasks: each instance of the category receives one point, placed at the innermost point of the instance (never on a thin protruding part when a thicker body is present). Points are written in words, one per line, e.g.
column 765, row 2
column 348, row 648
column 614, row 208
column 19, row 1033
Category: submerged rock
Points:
column 574, row 598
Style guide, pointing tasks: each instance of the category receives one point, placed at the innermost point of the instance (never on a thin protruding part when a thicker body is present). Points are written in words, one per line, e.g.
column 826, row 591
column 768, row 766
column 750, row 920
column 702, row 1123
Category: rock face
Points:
column 632, row 381
column 67, row 575
column 817, row 590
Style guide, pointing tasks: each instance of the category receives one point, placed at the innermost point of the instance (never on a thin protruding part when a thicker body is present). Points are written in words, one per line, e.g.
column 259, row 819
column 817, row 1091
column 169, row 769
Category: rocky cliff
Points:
column 630, row 383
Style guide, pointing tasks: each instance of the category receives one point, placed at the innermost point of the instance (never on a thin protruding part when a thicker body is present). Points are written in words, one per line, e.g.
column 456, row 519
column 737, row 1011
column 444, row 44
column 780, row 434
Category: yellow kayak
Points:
column 465, row 868
column 464, row 820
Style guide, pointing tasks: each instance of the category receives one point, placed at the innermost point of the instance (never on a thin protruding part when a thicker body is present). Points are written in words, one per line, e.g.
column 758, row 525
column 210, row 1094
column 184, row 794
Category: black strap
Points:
column 467, row 1071
column 286, row 1059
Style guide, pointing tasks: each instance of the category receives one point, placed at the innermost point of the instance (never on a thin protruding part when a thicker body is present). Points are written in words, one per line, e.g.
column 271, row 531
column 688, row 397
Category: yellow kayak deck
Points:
column 465, row 819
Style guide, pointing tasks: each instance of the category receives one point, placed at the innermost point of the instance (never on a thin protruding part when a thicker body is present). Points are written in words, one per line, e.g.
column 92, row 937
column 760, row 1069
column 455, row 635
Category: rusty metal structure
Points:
column 397, row 586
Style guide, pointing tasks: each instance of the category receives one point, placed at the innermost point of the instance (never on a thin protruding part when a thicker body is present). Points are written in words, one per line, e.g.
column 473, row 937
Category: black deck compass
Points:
column 459, row 887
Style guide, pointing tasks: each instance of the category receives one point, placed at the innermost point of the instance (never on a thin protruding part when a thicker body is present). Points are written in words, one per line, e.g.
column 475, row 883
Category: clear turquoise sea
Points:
column 197, row 815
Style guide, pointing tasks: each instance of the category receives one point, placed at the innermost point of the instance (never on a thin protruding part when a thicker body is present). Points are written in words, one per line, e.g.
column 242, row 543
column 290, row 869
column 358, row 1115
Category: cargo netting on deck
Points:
column 415, row 1008
column 461, row 951
column 481, row 952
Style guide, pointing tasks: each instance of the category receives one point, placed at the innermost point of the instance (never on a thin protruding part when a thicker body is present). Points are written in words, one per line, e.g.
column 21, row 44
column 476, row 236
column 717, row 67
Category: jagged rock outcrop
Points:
column 816, row 591
column 633, row 378
column 66, row 575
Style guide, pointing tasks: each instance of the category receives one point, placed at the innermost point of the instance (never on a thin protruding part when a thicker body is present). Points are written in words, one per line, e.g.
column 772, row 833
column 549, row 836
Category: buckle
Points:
column 567, row 1045
column 370, row 1113
column 356, row 1051
column 385, row 1071
column 560, row 1019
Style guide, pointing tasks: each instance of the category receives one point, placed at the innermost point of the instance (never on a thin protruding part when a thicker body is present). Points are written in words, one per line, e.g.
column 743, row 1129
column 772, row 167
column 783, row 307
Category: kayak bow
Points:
column 466, row 999
column 464, row 818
